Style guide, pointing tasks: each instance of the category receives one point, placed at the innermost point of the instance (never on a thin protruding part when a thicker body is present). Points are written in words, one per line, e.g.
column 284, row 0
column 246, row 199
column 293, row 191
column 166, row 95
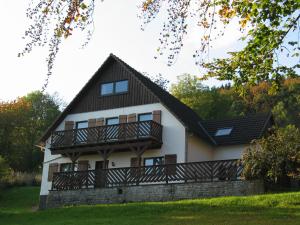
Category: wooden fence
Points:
column 208, row 171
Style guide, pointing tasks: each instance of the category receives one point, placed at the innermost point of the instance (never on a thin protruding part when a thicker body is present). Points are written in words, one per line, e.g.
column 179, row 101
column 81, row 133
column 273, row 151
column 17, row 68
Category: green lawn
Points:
column 18, row 206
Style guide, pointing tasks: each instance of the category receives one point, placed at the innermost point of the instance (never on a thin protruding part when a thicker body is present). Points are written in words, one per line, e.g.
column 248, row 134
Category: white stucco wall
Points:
column 229, row 152
column 174, row 140
column 198, row 150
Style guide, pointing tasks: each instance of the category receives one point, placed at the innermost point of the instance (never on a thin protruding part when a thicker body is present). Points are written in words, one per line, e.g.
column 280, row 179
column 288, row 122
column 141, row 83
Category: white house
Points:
column 121, row 119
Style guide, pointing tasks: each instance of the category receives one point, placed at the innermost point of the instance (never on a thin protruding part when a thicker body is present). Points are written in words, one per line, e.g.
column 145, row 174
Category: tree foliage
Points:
column 217, row 103
column 270, row 29
column 274, row 158
column 22, row 122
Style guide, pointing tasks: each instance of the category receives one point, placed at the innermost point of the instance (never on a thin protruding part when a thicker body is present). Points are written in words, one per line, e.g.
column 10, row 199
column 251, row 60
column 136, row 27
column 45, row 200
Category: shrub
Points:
column 4, row 172
column 275, row 158
column 23, row 179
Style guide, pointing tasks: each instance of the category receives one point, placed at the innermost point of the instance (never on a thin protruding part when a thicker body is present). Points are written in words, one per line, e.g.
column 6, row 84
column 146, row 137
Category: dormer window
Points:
column 223, row 131
column 113, row 88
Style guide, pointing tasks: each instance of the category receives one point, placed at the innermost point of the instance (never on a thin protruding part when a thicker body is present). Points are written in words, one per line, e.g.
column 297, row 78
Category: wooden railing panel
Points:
column 209, row 171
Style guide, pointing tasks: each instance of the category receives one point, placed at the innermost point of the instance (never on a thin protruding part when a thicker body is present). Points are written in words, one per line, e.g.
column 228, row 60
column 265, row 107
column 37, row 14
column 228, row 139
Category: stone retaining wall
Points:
column 148, row 193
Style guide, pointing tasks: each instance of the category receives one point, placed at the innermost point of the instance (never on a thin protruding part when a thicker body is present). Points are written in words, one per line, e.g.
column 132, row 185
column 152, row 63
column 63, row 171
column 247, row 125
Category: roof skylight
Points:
column 223, row 131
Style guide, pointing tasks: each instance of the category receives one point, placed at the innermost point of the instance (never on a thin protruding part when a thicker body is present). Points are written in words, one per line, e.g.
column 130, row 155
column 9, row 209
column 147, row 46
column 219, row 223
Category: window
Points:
column 154, row 161
column 65, row 167
column 107, row 89
column 112, row 88
column 81, row 124
column 223, row 131
column 145, row 117
column 121, row 86
column 112, row 121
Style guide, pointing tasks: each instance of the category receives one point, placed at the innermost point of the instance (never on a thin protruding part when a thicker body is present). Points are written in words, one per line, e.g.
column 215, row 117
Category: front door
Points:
column 100, row 175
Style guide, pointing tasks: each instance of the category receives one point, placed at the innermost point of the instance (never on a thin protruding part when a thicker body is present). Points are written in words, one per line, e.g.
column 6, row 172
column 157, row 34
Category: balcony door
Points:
column 144, row 129
column 112, row 128
column 81, row 133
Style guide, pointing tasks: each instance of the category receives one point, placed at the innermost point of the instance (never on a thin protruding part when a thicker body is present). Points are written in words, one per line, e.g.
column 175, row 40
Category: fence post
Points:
column 126, row 175
column 212, row 171
column 167, row 173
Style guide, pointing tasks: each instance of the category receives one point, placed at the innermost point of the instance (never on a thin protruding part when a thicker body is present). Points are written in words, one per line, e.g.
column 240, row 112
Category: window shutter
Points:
column 123, row 119
column 99, row 122
column 53, row 167
column 171, row 159
column 91, row 137
column 83, row 165
column 91, row 122
column 157, row 116
column 69, row 125
column 134, row 162
column 132, row 117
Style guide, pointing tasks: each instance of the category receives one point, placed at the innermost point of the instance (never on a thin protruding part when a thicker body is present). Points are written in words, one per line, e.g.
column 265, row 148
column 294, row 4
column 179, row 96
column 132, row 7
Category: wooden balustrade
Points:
column 208, row 171
column 107, row 134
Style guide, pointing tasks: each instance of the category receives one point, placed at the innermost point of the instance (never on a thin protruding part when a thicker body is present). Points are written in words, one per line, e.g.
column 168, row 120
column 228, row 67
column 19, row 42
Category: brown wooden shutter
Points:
column 132, row 117
column 123, row 119
column 83, row 165
column 157, row 116
column 171, row 159
column 91, row 122
column 69, row 125
column 99, row 122
column 91, row 133
column 134, row 162
column 53, row 167
column 122, row 127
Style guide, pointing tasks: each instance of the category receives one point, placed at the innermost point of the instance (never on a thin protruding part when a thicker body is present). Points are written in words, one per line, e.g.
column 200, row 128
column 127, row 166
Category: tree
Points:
column 22, row 123
column 208, row 103
column 218, row 103
column 159, row 80
column 275, row 158
column 268, row 25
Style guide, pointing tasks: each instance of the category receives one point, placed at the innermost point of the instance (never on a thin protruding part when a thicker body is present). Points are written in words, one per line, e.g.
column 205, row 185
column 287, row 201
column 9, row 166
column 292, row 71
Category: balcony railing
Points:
column 107, row 134
column 209, row 171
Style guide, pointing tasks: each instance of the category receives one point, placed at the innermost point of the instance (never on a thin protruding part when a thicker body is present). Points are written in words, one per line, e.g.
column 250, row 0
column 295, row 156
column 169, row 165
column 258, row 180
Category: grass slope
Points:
column 17, row 207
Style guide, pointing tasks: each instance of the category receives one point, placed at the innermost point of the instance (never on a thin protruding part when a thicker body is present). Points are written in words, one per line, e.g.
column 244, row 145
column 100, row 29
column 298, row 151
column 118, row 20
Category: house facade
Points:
column 127, row 127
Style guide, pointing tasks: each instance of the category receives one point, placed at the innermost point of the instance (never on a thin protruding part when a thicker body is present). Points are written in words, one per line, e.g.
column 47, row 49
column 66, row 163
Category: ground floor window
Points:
column 65, row 167
column 154, row 161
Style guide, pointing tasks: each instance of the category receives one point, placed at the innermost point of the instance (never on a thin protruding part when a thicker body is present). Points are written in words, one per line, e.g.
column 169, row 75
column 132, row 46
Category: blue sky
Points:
column 117, row 30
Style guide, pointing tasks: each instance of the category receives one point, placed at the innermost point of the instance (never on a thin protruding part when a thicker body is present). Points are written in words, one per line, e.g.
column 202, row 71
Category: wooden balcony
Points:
column 209, row 171
column 119, row 136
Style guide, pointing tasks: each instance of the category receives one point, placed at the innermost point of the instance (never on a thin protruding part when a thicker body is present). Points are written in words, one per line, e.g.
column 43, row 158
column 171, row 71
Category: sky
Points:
column 117, row 30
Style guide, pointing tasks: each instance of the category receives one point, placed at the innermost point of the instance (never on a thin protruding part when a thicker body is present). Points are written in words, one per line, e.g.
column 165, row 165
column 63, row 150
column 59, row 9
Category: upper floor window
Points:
column 107, row 89
column 112, row 121
column 121, row 86
column 114, row 88
column 81, row 124
column 145, row 117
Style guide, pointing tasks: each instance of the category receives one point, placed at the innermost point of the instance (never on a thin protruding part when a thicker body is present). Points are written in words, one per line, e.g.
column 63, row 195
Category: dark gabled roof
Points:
column 244, row 129
column 185, row 114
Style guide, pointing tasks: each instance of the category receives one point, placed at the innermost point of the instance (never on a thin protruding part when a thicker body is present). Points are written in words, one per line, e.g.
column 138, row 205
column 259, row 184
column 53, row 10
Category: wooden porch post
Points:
column 73, row 157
